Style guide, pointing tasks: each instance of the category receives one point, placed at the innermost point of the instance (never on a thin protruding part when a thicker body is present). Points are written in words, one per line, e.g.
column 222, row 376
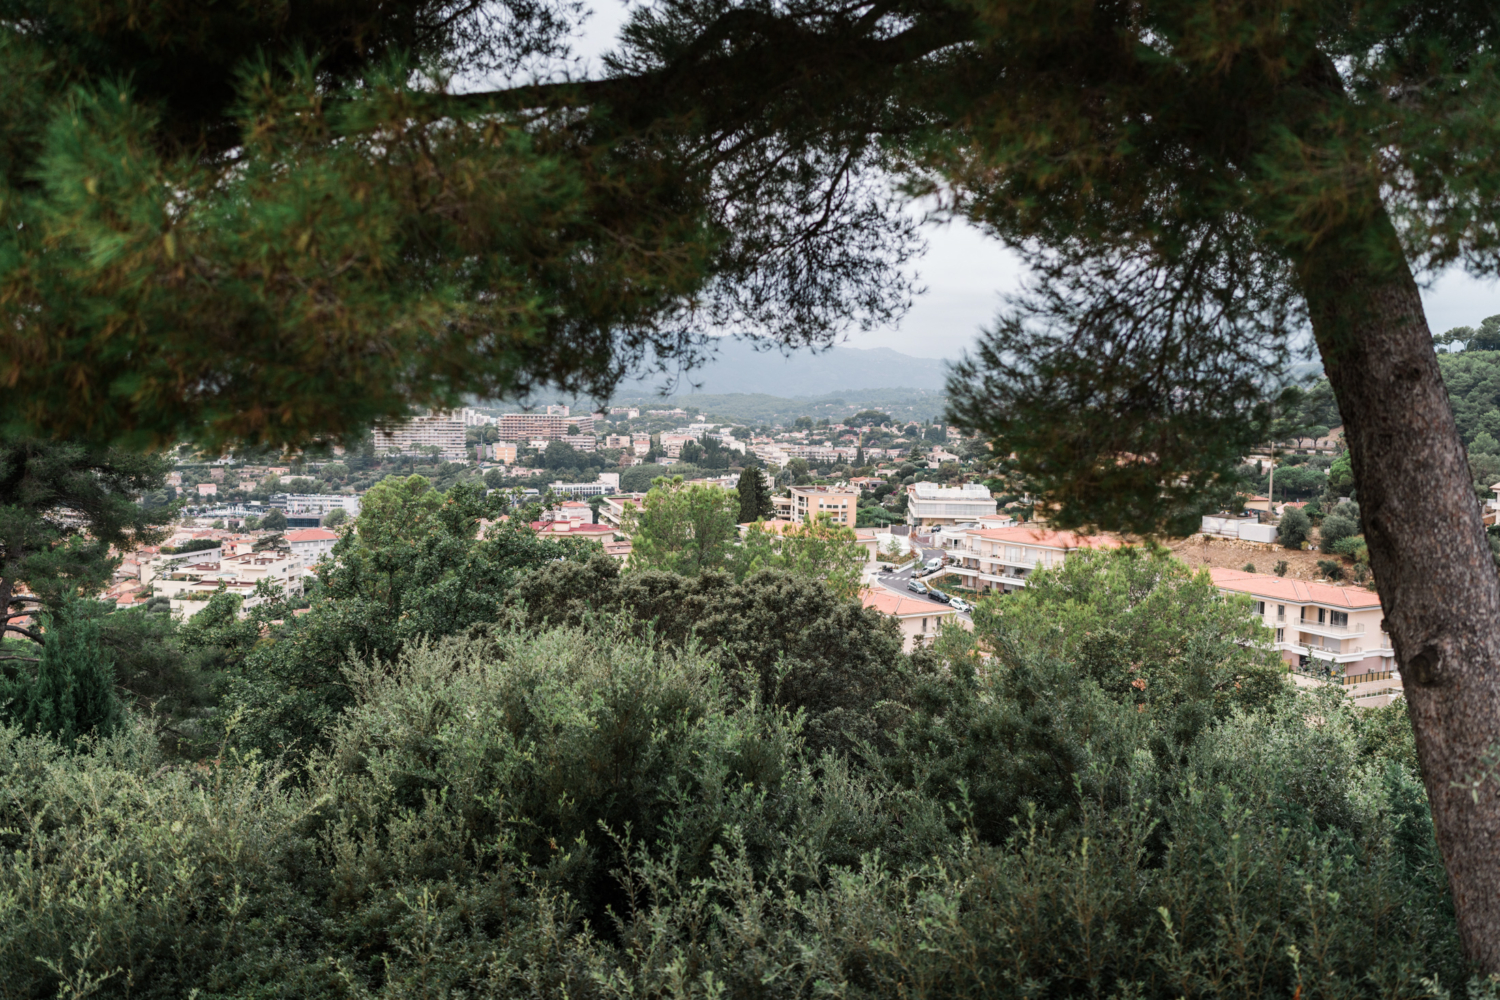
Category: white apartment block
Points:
column 315, row 503
column 929, row 503
column 309, row 545
column 444, row 431
column 547, row 426
column 999, row 560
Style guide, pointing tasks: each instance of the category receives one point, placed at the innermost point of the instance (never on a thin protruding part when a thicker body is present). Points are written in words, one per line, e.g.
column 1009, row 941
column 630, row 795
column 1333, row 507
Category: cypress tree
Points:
column 755, row 498
column 72, row 692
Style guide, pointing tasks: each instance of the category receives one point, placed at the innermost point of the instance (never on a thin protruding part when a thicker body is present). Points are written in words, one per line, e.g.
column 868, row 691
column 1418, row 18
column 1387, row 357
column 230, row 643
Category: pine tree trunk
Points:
column 1438, row 583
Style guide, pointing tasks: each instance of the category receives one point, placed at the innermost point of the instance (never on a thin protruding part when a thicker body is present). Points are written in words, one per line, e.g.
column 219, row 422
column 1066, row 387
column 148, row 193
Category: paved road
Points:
column 896, row 582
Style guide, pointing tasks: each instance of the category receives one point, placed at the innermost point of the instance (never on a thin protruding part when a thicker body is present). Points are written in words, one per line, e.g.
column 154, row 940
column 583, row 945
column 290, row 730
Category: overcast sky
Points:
column 966, row 274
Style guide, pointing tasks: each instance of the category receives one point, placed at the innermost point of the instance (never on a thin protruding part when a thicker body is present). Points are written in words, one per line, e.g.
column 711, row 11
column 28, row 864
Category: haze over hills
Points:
column 739, row 368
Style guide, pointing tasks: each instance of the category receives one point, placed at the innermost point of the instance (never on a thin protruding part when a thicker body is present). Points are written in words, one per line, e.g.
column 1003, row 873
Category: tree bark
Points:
column 1438, row 583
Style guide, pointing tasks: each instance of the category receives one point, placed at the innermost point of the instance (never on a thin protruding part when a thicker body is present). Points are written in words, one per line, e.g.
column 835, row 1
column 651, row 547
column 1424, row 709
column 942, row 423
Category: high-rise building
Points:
column 549, row 426
column 444, row 431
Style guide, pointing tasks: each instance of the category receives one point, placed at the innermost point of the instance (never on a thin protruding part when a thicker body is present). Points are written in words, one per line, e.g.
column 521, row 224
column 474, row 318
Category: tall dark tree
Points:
column 1195, row 183
column 70, row 692
column 755, row 497
column 63, row 505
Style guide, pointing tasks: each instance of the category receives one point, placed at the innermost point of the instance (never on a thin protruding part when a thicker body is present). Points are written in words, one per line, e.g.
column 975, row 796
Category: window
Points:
column 1281, row 611
column 1321, row 615
column 1013, row 553
column 1260, row 607
column 1339, row 618
column 1281, row 635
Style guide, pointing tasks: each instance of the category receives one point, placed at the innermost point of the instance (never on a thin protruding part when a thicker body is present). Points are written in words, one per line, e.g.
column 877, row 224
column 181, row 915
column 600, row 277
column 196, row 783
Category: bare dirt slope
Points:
column 1200, row 551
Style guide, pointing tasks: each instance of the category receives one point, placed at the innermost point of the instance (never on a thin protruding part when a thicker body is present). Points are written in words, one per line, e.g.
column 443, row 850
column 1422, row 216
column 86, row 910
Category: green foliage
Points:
column 1331, row 568
column 817, row 549
column 755, row 497
column 274, row 520
column 783, row 639
column 638, row 478
column 1294, row 527
column 682, row 528
column 588, row 811
column 1298, row 482
column 415, row 566
column 336, row 517
column 1341, row 476
column 70, row 693
column 191, row 545
column 1340, row 523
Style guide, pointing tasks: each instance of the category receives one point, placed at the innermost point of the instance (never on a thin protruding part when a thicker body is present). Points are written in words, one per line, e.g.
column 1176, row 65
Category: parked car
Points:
column 938, row 595
column 936, row 562
column 916, row 586
column 959, row 604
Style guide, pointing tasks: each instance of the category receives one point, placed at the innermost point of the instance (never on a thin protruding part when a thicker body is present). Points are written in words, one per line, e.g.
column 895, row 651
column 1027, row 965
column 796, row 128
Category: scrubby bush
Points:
column 1293, row 528
column 1106, row 790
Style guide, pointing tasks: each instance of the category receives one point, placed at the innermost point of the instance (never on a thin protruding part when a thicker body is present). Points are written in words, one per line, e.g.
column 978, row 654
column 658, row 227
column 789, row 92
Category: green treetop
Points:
column 682, row 528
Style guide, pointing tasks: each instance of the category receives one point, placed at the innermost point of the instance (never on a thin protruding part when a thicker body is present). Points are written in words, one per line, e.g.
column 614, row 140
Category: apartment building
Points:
column 841, row 504
column 547, row 426
column 443, row 431
column 999, row 560
column 919, row 620
column 1318, row 628
column 499, row 451
column 580, row 442
column 929, row 504
column 309, row 545
column 188, row 584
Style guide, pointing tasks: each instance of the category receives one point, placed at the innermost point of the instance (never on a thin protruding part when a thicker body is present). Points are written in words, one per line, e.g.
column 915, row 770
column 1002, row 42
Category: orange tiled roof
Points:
column 1276, row 588
column 1048, row 538
column 311, row 535
column 897, row 606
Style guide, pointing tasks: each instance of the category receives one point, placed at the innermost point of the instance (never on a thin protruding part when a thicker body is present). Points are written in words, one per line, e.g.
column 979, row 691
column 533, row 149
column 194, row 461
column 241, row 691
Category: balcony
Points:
column 1312, row 625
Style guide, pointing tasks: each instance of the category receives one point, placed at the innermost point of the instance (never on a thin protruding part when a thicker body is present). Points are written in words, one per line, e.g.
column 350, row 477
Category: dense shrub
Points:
column 584, row 813
column 665, row 787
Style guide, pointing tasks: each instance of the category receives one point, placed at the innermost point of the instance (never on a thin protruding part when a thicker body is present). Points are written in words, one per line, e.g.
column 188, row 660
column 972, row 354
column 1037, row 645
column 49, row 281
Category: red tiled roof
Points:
column 897, row 606
column 1049, row 539
column 312, row 535
column 1276, row 588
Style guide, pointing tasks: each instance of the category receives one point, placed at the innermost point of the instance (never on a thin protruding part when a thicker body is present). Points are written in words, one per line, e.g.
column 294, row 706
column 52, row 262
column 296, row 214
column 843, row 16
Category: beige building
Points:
column 999, row 560
column 1320, row 629
column 840, row 504
column 444, row 431
column 919, row 619
column 546, row 426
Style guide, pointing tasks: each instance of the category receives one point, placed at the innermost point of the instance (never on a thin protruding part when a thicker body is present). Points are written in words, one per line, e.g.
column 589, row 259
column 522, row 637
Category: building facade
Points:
column 1319, row 629
column 840, row 505
column 543, row 426
column 930, row 504
column 443, row 431
column 999, row 560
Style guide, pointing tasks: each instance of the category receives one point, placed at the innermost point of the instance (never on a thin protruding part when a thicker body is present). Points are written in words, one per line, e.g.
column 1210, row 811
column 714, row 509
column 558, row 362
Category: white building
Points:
column 1000, row 560
column 444, row 431
column 309, row 545
column 315, row 503
column 929, row 503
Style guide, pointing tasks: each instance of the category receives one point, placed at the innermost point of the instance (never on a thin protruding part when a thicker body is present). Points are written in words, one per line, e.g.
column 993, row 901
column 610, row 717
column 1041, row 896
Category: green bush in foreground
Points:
column 581, row 812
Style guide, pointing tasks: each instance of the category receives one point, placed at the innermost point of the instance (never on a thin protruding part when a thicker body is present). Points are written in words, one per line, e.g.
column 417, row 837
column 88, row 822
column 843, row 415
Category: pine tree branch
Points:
column 28, row 633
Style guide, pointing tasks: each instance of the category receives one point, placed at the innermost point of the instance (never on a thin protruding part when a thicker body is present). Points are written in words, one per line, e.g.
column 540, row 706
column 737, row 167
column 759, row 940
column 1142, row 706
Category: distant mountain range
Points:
column 739, row 368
